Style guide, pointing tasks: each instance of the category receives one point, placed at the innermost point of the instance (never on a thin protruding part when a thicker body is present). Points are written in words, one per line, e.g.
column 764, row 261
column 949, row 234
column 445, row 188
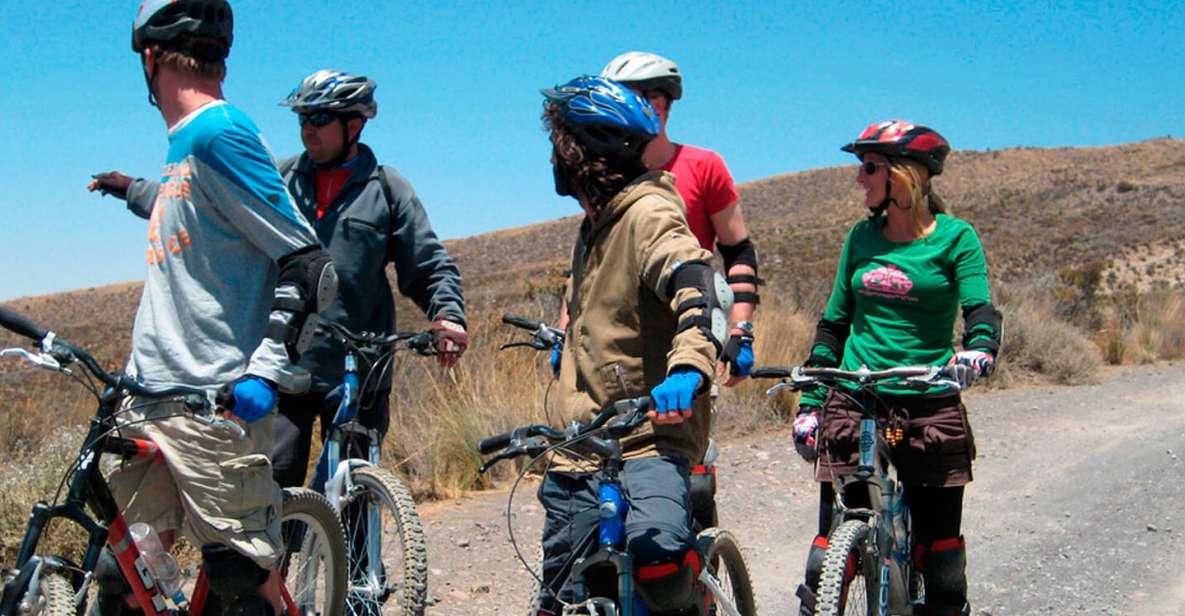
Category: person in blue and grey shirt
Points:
column 236, row 279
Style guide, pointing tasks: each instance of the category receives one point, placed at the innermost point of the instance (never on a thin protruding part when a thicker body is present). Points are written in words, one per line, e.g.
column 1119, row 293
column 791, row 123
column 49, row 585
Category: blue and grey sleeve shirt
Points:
column 220, row 219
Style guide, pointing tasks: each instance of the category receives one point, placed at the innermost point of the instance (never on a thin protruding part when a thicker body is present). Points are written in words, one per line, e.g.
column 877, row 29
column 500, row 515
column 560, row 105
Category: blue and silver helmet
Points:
column 605, row 116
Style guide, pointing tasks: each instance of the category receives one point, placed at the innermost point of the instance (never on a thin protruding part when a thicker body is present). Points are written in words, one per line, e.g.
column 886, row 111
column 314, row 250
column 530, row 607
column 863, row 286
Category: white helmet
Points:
column 336, row 91
column 646, row 71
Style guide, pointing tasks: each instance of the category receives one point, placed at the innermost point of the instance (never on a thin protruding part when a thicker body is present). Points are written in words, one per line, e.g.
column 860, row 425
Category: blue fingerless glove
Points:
column 677, row 391
column 557, row 351
column 738, row 352
column 253, row 398
column 744, row 363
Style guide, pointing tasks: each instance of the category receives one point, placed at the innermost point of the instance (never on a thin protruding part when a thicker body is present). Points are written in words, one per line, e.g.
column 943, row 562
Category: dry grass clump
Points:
column 32, row 476
column 1038, row 340
column 782, row 337
column 437, row 420
column 1140, row 328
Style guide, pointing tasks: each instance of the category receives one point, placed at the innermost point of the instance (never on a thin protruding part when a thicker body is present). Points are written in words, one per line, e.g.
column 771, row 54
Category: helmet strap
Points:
column 888, row 200
column 150, row 81
column 348, row 144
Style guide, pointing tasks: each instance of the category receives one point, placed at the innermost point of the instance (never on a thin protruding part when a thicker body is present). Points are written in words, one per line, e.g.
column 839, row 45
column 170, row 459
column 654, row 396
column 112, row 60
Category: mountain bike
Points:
column 603, row 573
column 312, row 567
column 382, row 526
column 867, row 569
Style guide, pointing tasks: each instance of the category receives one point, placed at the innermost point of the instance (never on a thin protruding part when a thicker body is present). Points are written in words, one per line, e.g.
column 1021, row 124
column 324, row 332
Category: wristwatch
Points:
column 744, row 326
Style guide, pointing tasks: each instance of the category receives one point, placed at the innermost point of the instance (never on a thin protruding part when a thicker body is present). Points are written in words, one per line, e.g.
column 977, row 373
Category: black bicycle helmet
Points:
column 206, row 27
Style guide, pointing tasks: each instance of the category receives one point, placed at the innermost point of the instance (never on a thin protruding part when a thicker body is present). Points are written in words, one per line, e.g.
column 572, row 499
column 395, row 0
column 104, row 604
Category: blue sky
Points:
column 775, row 87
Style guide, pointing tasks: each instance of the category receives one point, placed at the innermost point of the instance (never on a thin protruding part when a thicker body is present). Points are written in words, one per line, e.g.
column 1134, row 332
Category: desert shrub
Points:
column 1142, row 327
column 1038, row 340
column 32, row 476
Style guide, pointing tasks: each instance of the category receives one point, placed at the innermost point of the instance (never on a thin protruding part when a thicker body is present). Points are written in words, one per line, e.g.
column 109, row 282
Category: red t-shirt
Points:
column 706, row 186
column 329, row 183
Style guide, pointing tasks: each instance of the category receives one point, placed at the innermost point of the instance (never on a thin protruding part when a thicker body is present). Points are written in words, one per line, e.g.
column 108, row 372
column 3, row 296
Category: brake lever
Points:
column 204, row 408
column 40, row 360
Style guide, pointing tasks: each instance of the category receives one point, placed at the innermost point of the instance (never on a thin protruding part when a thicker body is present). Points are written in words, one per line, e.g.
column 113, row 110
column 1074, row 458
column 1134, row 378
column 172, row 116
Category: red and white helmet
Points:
column 901, row 139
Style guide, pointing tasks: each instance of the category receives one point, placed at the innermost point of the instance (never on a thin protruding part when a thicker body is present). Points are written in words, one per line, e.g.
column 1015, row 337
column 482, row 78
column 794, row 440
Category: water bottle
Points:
column 160, row 562
column 613, row 509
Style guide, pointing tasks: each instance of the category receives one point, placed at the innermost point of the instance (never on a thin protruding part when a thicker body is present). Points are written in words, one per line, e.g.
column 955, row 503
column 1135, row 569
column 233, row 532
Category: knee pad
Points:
column 808, row 590
column 944, row 568
column 231, row 574
column 670, row 587
column 814, row 561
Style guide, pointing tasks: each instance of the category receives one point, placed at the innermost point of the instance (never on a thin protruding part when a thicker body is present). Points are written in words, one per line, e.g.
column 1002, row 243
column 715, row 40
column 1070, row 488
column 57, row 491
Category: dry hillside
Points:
column 1120, row 209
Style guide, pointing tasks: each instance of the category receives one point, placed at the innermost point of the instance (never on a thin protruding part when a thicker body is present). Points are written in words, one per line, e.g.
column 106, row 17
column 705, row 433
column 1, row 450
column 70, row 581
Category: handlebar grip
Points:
column 18, row 324
column 520, row 322
column 767, row 372
column 494, row 443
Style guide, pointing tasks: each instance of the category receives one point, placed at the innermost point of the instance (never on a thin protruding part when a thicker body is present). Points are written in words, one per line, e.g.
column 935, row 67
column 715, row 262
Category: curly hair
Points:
column 594, row 177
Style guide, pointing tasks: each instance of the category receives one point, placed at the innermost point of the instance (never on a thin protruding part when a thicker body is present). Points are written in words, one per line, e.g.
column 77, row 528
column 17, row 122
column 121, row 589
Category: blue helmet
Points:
column 605, row 116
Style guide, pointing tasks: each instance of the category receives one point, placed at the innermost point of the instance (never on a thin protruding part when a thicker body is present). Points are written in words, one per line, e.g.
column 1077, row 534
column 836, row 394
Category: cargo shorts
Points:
column 935, row 449
column 211, row 485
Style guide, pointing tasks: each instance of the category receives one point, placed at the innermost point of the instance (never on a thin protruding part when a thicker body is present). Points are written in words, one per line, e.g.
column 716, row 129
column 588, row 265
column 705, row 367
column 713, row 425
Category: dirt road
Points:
column 1076, row 508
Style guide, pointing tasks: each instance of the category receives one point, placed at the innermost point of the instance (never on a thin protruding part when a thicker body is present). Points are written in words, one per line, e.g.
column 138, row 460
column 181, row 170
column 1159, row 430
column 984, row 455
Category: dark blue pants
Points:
column 657, row 528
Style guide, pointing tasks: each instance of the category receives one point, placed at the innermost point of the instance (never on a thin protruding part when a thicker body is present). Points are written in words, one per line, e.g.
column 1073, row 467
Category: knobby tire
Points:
column 848, row 584
column 722, row 557
column 314, row 564
column 400, row 524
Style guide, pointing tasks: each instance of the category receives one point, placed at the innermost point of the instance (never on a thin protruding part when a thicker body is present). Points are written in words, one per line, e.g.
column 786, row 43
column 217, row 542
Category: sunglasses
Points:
column 317, row 118
column 869, row 167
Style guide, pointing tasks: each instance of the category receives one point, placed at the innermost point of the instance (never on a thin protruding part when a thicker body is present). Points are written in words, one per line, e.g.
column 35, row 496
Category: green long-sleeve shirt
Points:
column 902, row 298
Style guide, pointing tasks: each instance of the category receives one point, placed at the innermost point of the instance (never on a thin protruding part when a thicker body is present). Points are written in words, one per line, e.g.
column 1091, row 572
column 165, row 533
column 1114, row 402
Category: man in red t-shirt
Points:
column 708, row 192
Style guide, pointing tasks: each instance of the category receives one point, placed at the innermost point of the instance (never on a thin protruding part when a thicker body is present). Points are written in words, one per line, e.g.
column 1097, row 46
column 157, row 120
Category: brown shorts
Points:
column 212, row 486
column 936, row 449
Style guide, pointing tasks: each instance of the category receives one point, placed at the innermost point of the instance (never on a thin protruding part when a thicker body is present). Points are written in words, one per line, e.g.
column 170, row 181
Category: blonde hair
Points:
column 916, row 179
column 186, row 64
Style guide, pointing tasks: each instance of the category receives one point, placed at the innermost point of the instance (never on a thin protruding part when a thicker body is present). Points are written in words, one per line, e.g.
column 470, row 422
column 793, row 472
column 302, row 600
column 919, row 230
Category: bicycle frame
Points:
column 887, row 504
column 88, row 489
column 887, row 514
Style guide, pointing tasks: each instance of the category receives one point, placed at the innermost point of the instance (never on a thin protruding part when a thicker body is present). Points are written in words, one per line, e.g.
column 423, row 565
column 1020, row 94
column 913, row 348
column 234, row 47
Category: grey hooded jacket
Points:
column 363, row 232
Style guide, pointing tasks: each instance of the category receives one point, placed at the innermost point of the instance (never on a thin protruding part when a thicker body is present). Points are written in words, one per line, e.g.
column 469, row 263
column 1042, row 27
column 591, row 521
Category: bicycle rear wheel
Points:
column 722, row 558
column 314, row 563
column 400, row 572
column 848, row 584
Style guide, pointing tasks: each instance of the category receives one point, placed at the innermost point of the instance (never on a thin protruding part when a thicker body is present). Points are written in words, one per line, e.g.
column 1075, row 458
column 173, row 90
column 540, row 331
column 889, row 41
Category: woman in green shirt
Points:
column 903, row 276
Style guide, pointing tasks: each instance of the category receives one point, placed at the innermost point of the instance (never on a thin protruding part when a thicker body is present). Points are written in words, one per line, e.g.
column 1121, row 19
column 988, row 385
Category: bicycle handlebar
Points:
column 420, row 342
column 62, row 353
column 514, row 443
column 543, row 336
column 20, row 325
column 802, row 377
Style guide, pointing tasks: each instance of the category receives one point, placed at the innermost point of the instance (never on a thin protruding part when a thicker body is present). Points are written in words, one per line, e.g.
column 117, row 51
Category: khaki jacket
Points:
column 621, row 338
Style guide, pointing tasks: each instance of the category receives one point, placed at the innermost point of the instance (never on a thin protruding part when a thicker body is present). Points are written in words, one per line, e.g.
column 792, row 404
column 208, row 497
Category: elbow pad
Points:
column 983, row 328
column 831, row 335
column 742, row 253
column 709, row 311
column 307, row 286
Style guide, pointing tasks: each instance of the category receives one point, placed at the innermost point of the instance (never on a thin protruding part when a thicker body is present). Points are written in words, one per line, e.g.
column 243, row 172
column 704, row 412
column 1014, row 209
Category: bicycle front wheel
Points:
column 848, row 584
column 54, row 597
column 314, row 562
column 388, row 556
column 723, row 560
